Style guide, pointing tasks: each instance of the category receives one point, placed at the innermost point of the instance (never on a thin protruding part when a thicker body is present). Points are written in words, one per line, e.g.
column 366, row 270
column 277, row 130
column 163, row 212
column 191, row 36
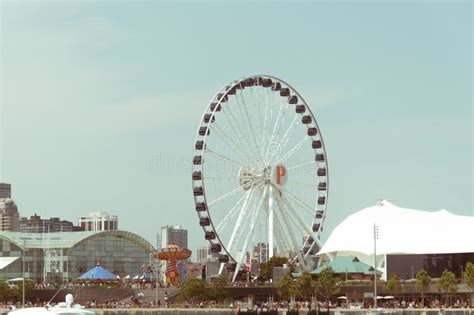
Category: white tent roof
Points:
column 401, row 231
column 5, row 261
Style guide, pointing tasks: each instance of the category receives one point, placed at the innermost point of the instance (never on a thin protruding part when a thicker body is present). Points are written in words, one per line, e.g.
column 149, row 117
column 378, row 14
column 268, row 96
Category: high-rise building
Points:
column 99, row 221
column 5, row 190
column 203, row 254
column 35, row 224
column 9, row 216
column 174, row 234
column 260, row 253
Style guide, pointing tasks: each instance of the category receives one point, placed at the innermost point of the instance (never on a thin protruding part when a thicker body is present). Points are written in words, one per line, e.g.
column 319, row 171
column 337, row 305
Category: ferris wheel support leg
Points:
column 250, row 233
column 270, row 223
column 221, row 268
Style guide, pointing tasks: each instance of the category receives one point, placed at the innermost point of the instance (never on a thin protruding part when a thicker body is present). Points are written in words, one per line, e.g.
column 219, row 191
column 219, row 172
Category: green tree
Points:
column 327, row 284
column 306, row 285
column 393, row 286
column 4, row 290
column 266, row 268
column 422, row 284
column 218, row 289
column 29, row 287
column 287, row 286
column 196, row 290
column 469, row 278
column 447, row 283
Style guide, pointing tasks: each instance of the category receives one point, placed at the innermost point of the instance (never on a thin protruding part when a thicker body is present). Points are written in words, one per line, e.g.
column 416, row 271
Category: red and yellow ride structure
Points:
column 172, row 254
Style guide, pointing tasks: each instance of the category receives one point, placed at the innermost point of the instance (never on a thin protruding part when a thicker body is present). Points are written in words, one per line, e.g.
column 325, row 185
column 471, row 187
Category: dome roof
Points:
column 66, row 240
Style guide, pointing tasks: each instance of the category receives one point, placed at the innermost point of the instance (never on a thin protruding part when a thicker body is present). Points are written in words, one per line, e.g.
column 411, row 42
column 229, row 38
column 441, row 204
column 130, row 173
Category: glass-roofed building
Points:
column 64, row 256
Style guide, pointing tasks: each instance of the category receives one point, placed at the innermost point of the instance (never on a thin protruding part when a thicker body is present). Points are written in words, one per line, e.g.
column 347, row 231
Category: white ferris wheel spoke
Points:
column 228, row 141
column 275, row 126
column 231, row 213
column 301, row 165
column 262, row 101
column 223, row 158
column 281, row 229
column 286, row 136
column 302, row 184
column 293, row 150
column 265, row 124
column 301, row 203
column 241, row 133
column 281, row 125
column 294, row 214
column 238, row 224
column 285, row 221
column 264, row 129
column 219, row 177
column 244, row 112
column 225, row 196
column 290, row 216
column 249, row 233
column 240, row 142
column 256, row 93
column 282, row 240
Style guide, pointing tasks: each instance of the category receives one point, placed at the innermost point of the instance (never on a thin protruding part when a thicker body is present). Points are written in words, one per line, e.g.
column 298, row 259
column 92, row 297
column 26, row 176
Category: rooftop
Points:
column 64, row 239
column 349, row 264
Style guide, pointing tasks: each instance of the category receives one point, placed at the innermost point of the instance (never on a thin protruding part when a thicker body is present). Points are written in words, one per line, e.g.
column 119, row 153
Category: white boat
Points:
column 62, row 308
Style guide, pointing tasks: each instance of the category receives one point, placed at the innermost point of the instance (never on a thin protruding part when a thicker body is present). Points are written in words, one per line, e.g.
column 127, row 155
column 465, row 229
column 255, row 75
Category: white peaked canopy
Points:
column 401, row 231
column 5, row 261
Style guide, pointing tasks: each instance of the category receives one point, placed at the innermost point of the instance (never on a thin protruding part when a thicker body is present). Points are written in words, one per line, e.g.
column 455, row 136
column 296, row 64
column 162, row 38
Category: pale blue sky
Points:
column 100, row 100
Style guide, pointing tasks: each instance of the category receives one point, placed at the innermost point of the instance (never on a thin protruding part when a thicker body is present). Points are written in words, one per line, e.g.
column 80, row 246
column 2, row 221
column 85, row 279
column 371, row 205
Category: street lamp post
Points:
column 412, row 275
column 376, row 236
column 157, row 282
column 23, row 271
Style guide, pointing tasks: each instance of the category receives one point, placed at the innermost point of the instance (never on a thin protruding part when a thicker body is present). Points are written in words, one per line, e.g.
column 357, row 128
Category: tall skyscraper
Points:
column 5, row 190
column 174, row 234
column 99, row 221
column 260, row 252
column 9, row 216
column 203, row 254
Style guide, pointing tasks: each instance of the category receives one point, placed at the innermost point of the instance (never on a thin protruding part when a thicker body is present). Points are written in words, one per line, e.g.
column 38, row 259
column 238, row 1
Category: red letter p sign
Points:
column 280, row 175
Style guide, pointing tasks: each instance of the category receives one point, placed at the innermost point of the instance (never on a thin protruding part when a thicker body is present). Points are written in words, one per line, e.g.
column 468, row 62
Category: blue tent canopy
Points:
column 98, row 273
column 145, row 277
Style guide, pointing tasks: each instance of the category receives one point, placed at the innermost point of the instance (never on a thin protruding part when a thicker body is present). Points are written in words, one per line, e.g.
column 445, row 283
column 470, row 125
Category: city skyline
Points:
column 101, row 101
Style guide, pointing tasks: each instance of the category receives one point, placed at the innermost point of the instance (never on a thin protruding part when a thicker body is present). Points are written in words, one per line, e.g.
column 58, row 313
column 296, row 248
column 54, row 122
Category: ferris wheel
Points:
column 260, row 174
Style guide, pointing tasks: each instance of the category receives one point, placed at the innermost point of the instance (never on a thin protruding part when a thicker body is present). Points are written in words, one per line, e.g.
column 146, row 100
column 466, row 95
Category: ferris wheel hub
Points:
column 254, row 176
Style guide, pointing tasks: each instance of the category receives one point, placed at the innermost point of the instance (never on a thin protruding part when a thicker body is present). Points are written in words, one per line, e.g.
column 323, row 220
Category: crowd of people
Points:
column 136, row 285
column 137, row 300
column 429, row 303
